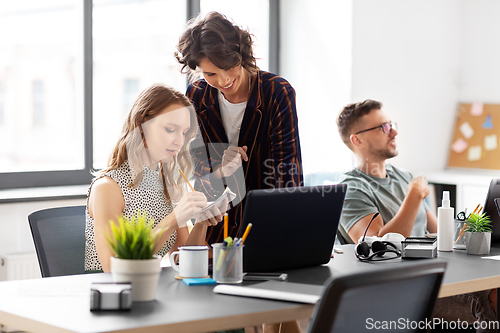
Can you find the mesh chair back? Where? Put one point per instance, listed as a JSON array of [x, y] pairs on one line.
[[59, 237], [398, 299]]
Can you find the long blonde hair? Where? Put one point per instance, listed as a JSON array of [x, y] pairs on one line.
[[150, 103]]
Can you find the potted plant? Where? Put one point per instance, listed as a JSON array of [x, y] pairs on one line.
[[478, 234], [133, 241]]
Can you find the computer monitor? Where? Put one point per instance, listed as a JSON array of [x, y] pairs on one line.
[[491, 209]]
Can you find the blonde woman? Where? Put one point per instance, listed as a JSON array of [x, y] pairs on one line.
[[143, 175]]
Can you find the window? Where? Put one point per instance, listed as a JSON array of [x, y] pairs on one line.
[[251, 14], [40, 63], [130, 93], [132, 39], [317, 60], [71, 69]]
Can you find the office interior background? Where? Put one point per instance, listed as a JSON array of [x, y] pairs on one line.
[[421, 58]]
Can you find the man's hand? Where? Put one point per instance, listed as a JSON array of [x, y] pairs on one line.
[[232, 159], [419, 185]]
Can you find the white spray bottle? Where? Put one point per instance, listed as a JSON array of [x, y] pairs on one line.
[[445, 218]]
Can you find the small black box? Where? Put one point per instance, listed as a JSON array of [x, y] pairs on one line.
[[110, 296], [419, 247]]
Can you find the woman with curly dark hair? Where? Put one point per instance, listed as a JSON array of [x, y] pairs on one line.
[[247, 116]]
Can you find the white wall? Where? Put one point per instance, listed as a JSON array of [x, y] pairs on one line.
[[315, 57], [480, 52], [15, 234], [407, 55], [422, 58]]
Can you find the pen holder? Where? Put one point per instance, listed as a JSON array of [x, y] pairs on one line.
[[458, 244], [227, 263]]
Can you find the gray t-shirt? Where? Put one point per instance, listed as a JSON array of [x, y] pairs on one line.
[[367, 195]]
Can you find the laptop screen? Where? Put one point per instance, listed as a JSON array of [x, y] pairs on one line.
[[492, 209], [291, 227]]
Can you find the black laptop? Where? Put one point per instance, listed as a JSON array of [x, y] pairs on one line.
[[492, 209], [291, 227]]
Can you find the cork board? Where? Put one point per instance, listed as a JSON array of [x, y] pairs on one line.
[[475, 143]]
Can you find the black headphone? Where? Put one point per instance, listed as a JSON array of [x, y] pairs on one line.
[[379, 248]]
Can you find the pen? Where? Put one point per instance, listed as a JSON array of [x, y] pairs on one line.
[[234, 249], [226, 217], [228, 242], [462, 231], [239, 244], [185, 178], [245, 235]]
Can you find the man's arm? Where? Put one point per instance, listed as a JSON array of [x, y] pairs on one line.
[[404, 220], [358, 229], [432, 225]]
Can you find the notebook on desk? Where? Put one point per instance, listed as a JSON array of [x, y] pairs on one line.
[[292, 292], [291, 227]]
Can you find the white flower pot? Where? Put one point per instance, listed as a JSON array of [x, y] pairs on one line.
[[478, 243], [142, 273]]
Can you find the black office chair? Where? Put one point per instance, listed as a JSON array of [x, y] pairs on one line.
[[343, 236], [59, 237], [362, 302]]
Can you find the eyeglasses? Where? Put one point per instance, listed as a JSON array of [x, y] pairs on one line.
[[386, 128]]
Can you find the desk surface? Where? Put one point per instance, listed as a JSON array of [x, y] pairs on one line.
[[61, 304]]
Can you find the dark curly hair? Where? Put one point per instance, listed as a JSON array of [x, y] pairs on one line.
[[350, 114], [215, 37]]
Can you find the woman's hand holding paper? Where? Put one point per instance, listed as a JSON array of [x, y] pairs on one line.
[[214, 215], [191, 204]]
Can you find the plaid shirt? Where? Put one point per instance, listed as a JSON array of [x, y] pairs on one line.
[[270, 131]]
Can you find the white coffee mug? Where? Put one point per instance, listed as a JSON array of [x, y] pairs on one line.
[[193, 261]]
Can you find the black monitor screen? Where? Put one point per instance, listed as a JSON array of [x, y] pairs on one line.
[[491, 209]]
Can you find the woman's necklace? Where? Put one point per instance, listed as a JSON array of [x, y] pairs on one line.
[[227, 113], [229, 118]]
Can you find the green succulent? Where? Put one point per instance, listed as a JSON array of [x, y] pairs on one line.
[[133, 238], [478, 223]]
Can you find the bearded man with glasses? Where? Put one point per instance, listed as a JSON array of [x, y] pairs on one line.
[[376, 186]]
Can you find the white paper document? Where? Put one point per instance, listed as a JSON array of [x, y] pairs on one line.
[[492, 257], [466, 130], [256, 290], [227, 194]]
